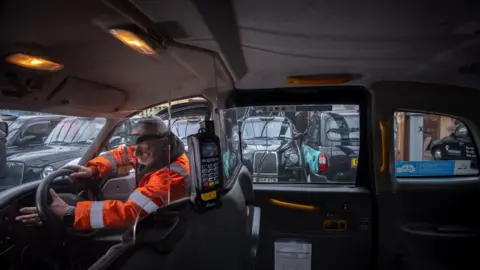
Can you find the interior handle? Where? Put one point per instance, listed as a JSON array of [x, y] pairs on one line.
[[296, 206], [453, 229], [439, 231]]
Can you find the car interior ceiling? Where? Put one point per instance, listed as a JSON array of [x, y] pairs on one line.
[[242, 57]]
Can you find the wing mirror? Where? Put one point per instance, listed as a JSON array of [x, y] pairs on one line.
[[3, 130]]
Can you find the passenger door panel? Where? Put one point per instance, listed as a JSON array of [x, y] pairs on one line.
[[425, 222], [429, 225], [348, 248], [119, 188]]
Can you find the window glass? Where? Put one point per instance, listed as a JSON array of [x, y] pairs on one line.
[[38, 130], [184, 127], [281, 144], [76, 130], [266, 127], [432, 145], [343, 127], [119, 136]]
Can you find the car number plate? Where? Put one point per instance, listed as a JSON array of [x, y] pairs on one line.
[[267, 180], [354, 162]]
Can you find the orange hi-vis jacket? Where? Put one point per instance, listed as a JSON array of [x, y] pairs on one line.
[[152, 191]]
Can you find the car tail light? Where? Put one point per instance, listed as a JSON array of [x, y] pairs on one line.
[[322, 162]]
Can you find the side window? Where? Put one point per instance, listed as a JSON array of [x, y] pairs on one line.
[[333, 129], [183, 127], [118, 136], [41, 128], [432, 145], [36, 132]]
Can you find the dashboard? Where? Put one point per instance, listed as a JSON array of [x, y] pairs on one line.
[[15, 237]]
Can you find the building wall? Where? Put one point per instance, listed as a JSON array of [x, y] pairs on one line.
[[415, 132]]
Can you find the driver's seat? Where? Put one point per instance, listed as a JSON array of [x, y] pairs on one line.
[[218, 239]]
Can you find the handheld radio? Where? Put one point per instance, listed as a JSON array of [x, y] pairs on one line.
[[206, 168]]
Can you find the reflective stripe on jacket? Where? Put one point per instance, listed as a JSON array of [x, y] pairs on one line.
[[154, 190], [108, 163]]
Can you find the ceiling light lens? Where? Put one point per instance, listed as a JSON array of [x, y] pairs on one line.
[[33, 62], [131, 40]]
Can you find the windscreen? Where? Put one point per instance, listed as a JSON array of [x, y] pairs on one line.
[[267, 127], [293, 143], [343, 127], [75, 131]]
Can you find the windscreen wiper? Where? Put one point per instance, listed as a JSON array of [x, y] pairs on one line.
[[58, 142]]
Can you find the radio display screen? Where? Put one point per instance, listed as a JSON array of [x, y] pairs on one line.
[[209, 149]]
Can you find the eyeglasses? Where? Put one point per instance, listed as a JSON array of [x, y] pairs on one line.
[[141, 150]]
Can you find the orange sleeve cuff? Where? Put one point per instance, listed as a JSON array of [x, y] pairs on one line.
[[82, 215], [94, 170]]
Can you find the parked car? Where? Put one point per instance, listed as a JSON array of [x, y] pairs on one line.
[[28, 131], [330, 147], [3, 154], [270, 149], [69, 140], [456, 146]]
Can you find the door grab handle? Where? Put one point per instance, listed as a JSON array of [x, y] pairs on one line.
[[296, 206], [383, 131], [453, 229], [440, 231]]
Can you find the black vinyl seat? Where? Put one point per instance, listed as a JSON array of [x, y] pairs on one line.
[[218, 239]]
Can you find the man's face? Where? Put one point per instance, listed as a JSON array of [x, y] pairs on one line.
[[144, 153], [142, 150]]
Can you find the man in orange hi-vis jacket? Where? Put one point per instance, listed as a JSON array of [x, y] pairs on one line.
[[163, 178]]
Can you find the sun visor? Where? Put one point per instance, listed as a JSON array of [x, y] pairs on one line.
[[75, 96]]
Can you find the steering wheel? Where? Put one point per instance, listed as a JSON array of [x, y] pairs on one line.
[[46, 214]]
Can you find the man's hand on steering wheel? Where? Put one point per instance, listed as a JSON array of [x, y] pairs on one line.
[[58, 206], [81, 173]]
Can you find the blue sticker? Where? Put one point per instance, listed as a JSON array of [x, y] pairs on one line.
[[424, 168]]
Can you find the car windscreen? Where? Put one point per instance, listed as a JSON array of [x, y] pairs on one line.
[[75, 131], [184, 129], [343, 127], [259, 128]]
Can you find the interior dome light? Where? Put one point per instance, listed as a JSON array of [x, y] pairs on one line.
[[33, 62], [132, 40]]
